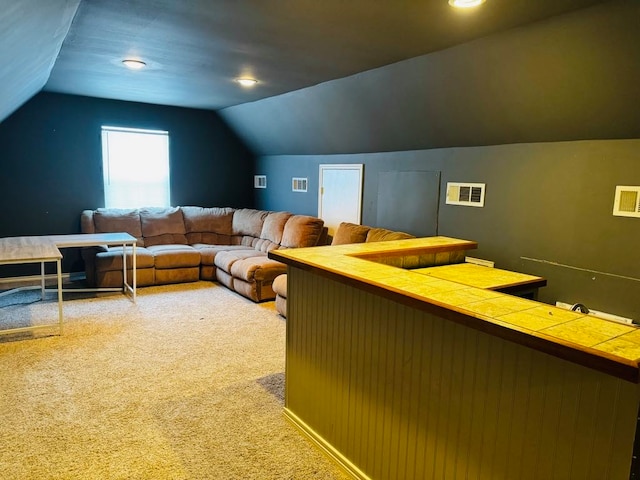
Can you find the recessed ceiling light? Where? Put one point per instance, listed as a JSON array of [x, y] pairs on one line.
[[465, 3], [246, 82], [134, 64]]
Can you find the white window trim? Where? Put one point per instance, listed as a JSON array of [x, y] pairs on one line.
[[160, 190]]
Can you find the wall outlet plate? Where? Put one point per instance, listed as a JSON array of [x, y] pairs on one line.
[[597, 314]]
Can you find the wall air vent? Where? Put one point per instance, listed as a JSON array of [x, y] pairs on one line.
[[480, 261], [259, 181], [627, 202], [469, 194], [299, 184]]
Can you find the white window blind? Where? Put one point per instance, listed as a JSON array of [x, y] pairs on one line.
[[136, 167]]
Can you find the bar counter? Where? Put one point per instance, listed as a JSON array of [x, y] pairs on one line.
[[399, 374]]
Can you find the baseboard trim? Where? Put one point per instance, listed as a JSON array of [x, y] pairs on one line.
[[343, 462]]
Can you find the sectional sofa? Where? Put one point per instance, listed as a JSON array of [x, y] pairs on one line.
[[186, 244]]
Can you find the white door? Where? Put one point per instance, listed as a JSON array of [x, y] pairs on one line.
[[340, 194]]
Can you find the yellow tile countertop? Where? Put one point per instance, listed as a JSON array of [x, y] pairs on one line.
[[596, 343], [482, 277]]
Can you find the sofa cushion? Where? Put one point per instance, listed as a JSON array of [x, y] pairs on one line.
[[224, 278], [112, 259], [255, 291], [176, 275], [208, 220], [208, 225], [161, 226], [249, 241], [257, 269], [174, 256], [273, 226], [264, 245], [225, 260], [113, 278], [208, 252], [350, 233], [208, 238], [301, 231], [382, 235], [108, 220], [249, 222], [208, 272]]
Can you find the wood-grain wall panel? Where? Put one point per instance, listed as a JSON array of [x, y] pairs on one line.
[[401, 393]]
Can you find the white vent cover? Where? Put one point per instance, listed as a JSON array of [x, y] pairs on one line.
[[480, 261], [469, 194], [259, 181], [627, 201], [299, 184]]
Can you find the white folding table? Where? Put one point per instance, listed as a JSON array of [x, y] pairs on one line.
[[46, 248], [19, 250], [108, 239]]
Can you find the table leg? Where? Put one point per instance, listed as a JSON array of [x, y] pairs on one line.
[[42, 283], [60, 317], [134, 273], [124, 268]]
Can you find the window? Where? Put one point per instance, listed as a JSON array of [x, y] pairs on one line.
[[136, 167]]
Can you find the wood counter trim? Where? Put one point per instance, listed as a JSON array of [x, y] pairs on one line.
[[397, 252], [609, 364], [517, 286]]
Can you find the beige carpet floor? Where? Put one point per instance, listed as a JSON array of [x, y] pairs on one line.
[[186, 384]]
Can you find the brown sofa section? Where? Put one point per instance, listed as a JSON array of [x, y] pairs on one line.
[[185, 244], [345, 233], [352, 233]]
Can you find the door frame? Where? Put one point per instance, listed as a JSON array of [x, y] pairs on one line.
[[359, 167]]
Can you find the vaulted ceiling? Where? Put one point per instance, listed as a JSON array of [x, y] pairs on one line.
[[195, 49]]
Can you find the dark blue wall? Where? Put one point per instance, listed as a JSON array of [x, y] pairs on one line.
[[51, 160], [548, 209]]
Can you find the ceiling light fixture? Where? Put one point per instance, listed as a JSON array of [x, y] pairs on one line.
[[246, 82], [465, 3], [134, 64]]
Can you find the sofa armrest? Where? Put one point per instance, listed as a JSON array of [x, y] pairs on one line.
[[280, 285], [86, 222], [257, 269]]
